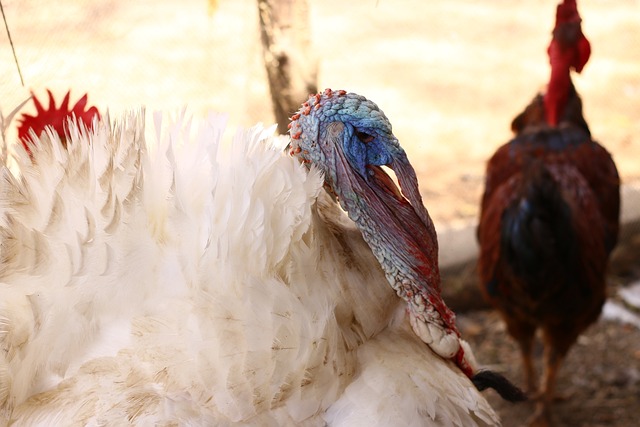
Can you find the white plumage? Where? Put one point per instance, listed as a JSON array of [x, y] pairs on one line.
[[187, 281]]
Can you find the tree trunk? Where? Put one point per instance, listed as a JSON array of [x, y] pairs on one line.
[[291, 67]]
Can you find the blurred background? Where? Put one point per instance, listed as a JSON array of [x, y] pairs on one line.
[[450, 75]]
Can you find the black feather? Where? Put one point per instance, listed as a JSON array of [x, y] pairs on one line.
[[537, 229], [506, 389]]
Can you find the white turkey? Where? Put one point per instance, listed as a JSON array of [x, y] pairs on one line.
[[187, 281]]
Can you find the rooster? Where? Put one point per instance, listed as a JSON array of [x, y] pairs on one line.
[[549, 218], [190, 282]]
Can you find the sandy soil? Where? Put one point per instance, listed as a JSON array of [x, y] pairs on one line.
[[450, 75], [598, 385]]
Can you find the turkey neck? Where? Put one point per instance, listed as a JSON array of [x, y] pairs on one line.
[[397, 227], [350, 139]]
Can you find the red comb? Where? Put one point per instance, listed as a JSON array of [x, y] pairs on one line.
[[55, 117], [567, 12], [569, 49], [570, 44]]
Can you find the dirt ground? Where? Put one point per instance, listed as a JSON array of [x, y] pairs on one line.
[[599, 383], [450, 75]]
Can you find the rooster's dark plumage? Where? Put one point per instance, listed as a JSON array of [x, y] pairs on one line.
[[549, 216]]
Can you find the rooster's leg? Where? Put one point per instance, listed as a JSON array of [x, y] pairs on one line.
[[524, 333], [557, 341], [526, 348], [552, 361]]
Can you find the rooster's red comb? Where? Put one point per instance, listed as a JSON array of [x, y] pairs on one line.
[[567, 35], [567, 11], [55, 117], [569, 49]]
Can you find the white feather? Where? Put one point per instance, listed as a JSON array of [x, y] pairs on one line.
[[198, 282]]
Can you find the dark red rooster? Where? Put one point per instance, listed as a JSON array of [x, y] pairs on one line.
[[549, 217]]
